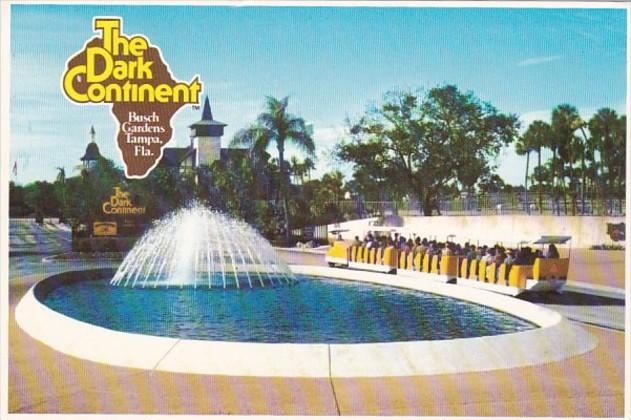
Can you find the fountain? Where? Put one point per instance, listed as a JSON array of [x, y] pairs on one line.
[[199, 247]]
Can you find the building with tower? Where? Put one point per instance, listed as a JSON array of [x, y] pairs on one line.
[[204, 148], [92, 154]]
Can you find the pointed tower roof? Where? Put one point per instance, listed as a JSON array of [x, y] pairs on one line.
[[207, 114], [92, 151], [207, 126]]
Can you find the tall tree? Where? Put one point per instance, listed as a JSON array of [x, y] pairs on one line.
[[276, 125], [535, 138], [309, 166], [424, 144], [62, 191], [523, 146], [608, 133], [565, 121]]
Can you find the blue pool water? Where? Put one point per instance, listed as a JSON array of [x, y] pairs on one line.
[[314, 310]]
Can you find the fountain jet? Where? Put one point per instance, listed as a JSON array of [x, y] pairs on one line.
[[199, 247]]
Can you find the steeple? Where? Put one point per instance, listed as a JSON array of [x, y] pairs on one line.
[[207, 126], [206, 137], [92, 153], [207, 114]]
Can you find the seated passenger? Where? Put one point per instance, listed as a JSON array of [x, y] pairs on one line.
[[424, 246], [498, 260], [416, 248], [529, 256], [471, 254], [521, 258], [510, 257], [357, 242], [481, 253], [552, 252], [370, 242]]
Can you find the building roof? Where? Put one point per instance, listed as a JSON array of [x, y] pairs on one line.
[[91, 152], [207, 117], [172, 157]]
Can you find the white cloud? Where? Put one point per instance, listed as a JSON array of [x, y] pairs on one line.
[[538, 60], [328, 135], [529, 117]]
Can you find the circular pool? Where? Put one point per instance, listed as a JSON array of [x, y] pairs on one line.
[[314, 310], [332, 323]]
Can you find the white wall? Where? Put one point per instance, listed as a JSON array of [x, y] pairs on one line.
[[208, 150], [584, 230]]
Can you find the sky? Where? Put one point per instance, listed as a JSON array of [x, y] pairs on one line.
[[332, 62]]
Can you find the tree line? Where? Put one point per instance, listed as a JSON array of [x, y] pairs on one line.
[[444, 142], [588, 157], [427, 145]]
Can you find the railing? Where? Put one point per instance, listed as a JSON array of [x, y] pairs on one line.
[[477, 205], [311, 232]]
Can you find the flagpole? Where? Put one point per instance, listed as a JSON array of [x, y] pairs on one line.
[[15, 171]]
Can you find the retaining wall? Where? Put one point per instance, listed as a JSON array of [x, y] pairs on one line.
[[584, 230]]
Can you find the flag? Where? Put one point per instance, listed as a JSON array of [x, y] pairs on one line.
[[15, 168]]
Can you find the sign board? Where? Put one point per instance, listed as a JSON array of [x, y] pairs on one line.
[[616, 231], [120, 204], [307, 232], [105, 229]]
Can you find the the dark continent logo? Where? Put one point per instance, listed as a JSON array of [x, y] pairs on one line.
[[130, 74]]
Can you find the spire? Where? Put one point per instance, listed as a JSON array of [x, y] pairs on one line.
[[207, 114], [92, 134], [207, 126]]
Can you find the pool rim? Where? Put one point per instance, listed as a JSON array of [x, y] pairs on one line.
[[555, 339]]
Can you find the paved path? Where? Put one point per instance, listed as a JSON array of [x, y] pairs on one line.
[[29, 238], [587, 308], [42, 380]]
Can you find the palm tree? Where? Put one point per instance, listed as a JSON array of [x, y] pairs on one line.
[[295, 168], [60, 182], [608, 137], [536, 136], [523, 147], [565, 121], [586, 152], [539, 134], [309, 166], [276, 125]]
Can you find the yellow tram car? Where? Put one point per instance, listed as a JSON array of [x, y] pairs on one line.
[[545, 275]]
